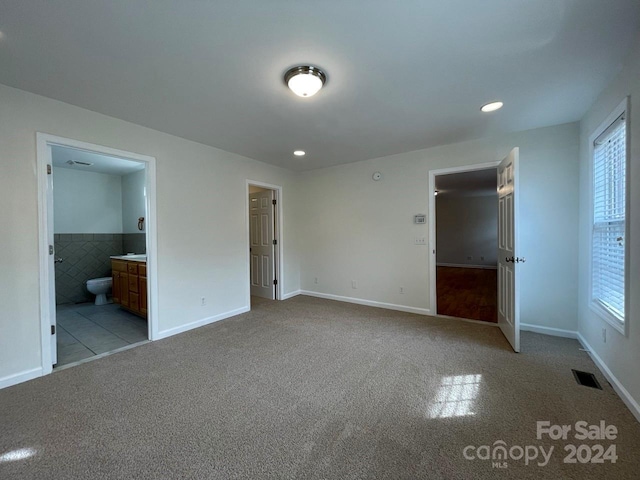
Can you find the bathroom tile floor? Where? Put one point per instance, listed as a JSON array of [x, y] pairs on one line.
[[85, 330]]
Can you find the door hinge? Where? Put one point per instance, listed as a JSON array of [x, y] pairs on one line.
[[275, 242], [48, 169], [273, 201], [50, 249], [53, 329], [275, 282]]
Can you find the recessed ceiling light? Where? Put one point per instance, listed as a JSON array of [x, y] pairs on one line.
[[305, 80], [491, 107], [299, 153]]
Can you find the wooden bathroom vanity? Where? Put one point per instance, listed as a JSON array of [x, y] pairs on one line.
[[129, 274]]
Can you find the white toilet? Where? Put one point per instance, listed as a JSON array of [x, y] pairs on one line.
[[100, 287]]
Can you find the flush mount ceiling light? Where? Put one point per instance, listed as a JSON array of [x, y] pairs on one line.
[[305, 80], [491, 107], [299, 153]]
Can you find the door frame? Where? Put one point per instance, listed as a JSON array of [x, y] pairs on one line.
[[47, 301], [433, 307], [278, 264]]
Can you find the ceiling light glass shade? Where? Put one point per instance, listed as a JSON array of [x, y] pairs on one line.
[[491, 107], [299, 153], [305, 80]]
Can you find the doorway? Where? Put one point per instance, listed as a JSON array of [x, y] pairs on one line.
[[99, 217], [264, 239], [508, 262], [466, 218]]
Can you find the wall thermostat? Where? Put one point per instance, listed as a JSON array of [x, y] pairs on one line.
[[376, 176], [420, 218]]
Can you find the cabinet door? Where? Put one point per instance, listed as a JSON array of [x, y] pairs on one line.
[[143, 295], [133, 283], [115, 286], [134, 301], [124, 289]]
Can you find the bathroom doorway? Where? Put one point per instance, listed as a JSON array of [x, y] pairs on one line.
[[97, 246], [264, 239]]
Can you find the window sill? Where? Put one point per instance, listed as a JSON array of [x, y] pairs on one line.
[[608, 317]]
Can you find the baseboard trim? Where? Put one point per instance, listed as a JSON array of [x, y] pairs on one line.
[[467, 320], [200, 323], [286, 296], [464, 265], [622, 392], [555, 332], [369, 303], [20, 377]]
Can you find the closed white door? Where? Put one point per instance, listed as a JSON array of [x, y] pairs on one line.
[[508, 262], [262, 244]]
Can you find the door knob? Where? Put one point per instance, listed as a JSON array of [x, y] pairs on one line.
[[507, 259], [520, 260], [58, 260]]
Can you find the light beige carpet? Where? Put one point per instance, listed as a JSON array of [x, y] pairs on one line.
[[312, 389]]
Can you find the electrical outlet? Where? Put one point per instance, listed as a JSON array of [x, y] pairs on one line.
[[469, 257], [401, 289], [482, 257], [604, 335], [354, 284], [315, 280], [203, 301]]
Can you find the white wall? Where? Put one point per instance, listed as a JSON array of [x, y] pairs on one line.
[[467, 226], [202, 219], [133, 201], [86, 202], [621, 354], [352, 228]]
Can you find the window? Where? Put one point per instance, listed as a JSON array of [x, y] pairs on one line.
[[608, 236]]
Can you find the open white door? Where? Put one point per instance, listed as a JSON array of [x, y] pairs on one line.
[[508, 263], [262, 244], [51, 263]]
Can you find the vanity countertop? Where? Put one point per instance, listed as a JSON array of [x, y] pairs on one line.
[[130, 258]]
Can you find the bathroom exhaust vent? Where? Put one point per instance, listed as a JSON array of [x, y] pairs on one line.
[[587, 379], [76, 162]]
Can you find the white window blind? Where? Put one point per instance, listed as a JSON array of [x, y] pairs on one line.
[[609, 219]]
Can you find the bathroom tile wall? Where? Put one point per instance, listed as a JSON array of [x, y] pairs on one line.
[[134, 243], [85, 256]]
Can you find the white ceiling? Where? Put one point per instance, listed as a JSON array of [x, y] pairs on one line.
[[401, 75], [100, 163], [468, 184]]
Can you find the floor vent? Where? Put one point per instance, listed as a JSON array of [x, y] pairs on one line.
[[587, 379]]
